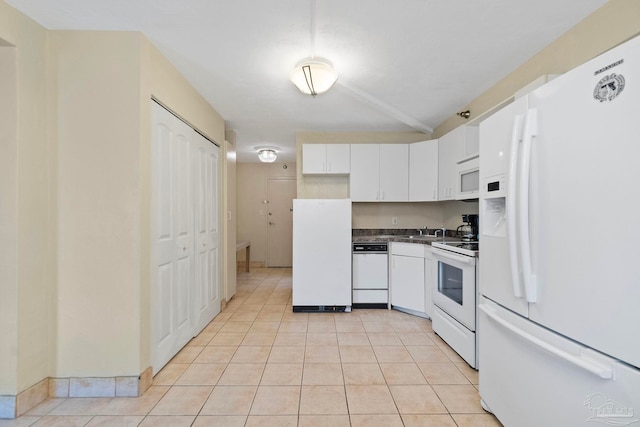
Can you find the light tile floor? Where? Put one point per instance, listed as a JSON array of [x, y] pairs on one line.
[[259, 364]]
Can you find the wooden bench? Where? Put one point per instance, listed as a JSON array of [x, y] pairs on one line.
[[242, 244]]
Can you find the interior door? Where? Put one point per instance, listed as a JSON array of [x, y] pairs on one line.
[[206, 286], [172, 231], [280, 194]]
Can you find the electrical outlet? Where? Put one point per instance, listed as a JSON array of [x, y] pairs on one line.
[[394, 220]]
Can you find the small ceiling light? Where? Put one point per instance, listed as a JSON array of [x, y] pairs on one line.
[[267, 154], [314, 76], [464, 114]]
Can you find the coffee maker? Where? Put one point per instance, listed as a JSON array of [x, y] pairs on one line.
[[469, 230]]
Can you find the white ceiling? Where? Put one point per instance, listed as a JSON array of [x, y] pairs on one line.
[[403, 64]]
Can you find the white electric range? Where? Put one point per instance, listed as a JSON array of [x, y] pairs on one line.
[[455, 296]]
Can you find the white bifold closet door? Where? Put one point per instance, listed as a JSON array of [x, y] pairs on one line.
[[207, 232], [185, 284]]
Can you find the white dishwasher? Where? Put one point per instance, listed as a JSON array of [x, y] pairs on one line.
[[370, 277]]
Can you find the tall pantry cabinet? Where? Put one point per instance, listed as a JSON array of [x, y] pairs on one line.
[[186, 254]]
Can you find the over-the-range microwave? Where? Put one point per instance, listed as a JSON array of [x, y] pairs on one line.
[[468, 178]]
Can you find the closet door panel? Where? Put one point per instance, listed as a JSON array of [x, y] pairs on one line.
[[207, 285], [172, 231]]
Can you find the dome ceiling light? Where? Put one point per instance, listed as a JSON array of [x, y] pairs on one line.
[[314, 76], [267, 154]]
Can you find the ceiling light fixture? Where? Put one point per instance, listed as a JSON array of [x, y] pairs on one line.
[[464, 114], [267, 154], [314, 76]]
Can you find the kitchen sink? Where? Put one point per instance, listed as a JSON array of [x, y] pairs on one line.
[[418, 237]]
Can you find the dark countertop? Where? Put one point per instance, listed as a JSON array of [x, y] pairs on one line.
[[410, 235]]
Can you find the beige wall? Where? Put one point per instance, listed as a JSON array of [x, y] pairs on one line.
[[8, 221], [412, 215], [105, 82], [97, 82], [252, 212], [75, 179], [615, 22], [26, 260]]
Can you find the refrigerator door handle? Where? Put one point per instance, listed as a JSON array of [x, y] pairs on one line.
[[591, 366], [512, 222], [530, 131]]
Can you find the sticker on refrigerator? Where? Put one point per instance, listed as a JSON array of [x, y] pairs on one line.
[[609, 87]]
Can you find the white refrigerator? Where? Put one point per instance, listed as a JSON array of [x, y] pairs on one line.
[[321, 255], [559, 322]]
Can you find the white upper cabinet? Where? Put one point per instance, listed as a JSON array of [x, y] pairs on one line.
[[449, 150], [394, 172], [364, 181], [458, 147], [379, 173], [423, 171], [325, 158]]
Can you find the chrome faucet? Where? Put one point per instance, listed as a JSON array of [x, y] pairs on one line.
[[423, 231], [443, 230]]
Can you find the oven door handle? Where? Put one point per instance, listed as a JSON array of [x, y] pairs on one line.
[[448, 255]]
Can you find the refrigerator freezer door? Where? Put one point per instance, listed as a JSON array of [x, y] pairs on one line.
[[584, 185], [500, 277], [532, 377], [321, 252]]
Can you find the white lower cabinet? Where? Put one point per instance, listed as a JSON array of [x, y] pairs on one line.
[[408, 277]]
